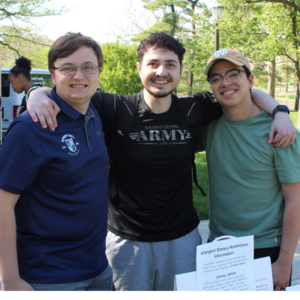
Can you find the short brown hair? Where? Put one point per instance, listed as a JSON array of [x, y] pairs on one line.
[[69, 43]]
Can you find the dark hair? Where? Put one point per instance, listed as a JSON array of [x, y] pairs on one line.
[[69, 43], [23, 66], [161, 40]]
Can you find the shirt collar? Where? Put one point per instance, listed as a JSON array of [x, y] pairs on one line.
[[68, 109]]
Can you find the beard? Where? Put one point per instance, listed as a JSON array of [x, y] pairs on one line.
[[159, 94]]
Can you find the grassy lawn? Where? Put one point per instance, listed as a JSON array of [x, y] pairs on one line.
[[201, 202]]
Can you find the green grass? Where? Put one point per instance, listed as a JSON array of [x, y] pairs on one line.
[[201, 203], [294, 116]]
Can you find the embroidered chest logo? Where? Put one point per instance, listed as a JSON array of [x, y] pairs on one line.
[[70, 144]]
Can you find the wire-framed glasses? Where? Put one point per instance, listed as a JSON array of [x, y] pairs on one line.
[[232, 76], [70, 69]]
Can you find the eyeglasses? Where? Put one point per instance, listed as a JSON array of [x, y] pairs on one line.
[[232, 76], [70, 69]]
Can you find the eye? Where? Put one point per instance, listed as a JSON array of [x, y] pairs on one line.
[[89, 67], [171, 65], [67, 68], [152, 64], [233, 74], [215, 79]]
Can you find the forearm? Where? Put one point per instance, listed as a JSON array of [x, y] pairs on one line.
[[291, 231], [263, 100], [9, 271]]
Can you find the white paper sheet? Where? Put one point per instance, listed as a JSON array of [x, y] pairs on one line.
[[185, 282], [226, 265], [263, 274]]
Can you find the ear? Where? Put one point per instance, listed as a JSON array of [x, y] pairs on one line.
[[52, 72], [181, 69], [251, 81], [20, 77], [138, 65]]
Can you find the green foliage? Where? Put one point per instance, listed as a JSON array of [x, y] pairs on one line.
[[40, 58], [15, 16], [120, 73]]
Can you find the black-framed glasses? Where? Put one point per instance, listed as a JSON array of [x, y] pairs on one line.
[[231, 76], [70, 69]]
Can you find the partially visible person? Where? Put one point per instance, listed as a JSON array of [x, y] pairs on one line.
[[21, 81], [254, 188], [54, 185], [152, 222]]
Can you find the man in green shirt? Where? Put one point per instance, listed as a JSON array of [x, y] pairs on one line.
[[254, 187]]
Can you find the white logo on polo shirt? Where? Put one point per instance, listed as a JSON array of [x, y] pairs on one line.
[[71, 145], [221, 52]]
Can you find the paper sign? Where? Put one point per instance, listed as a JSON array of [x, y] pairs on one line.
[[263, 274], [185, 282], [293, 288], [226, 265]]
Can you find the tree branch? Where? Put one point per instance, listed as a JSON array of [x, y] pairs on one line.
[[285, 2], [294, 61]]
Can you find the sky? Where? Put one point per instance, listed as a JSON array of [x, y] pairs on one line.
[[103, 20]]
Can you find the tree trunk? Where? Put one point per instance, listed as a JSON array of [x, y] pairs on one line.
[[271, 79], [297, 97], [191, 75]]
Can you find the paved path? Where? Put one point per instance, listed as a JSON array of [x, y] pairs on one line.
[[203, 229]]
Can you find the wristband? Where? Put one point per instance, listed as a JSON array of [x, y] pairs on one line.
[[280, 108]]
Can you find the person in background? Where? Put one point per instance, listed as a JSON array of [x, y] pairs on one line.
[[21, 81]]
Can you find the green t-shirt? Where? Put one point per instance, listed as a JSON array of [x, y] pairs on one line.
[[245, 173]]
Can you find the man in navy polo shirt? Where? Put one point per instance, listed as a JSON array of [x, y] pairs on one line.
[[54, 185]]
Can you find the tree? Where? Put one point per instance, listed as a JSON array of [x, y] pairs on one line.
[[279, 19], [40, 58], [15, 18], [120, 73]]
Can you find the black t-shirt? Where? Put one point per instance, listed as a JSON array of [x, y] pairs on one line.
[[22, 106], [150, 183]]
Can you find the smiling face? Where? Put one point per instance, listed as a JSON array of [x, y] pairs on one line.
[[78, 88], [231, 94], [160, 72]]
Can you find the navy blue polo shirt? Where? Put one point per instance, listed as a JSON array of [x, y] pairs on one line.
[[62, 177]]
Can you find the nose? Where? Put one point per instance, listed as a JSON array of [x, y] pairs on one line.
[[225, 81], [78, 73], [161, 70]]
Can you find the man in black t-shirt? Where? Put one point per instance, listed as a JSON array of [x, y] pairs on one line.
[[151, 219]]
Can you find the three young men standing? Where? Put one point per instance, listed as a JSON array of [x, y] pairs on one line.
[[152, 223]]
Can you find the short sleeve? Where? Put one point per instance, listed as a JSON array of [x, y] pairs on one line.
[[287, 162], [109, 108], [209, 108], [21, 159]]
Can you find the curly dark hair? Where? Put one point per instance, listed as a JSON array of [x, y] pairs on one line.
[[161, 40], [23, 66]]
